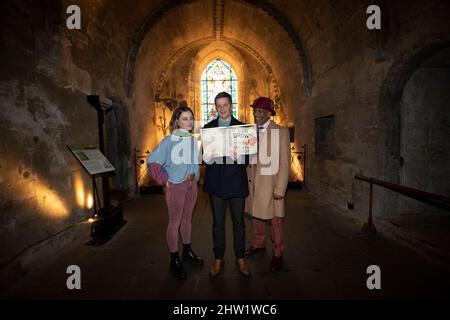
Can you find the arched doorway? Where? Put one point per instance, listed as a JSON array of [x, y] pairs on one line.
[[425, 131], [390, 149]]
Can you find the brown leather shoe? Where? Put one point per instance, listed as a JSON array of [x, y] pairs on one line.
[[244, 267], [216, 267], [276, 264], [253, 250]]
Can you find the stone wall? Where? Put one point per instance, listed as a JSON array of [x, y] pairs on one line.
[[47, 71], [348, 78]]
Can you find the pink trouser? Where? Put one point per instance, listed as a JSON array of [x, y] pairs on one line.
[[259, 234], [180, 199]]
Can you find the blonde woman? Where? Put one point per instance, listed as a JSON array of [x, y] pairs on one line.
[[179, 171]]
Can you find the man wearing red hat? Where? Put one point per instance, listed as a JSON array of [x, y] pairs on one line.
[[268, 179]]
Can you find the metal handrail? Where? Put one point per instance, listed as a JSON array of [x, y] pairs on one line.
[[436, 200]]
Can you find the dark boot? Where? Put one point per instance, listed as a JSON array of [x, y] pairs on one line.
[[189, 255], [276, 264], [176, 267]]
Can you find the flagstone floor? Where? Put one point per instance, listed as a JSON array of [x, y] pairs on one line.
[[326, 258]]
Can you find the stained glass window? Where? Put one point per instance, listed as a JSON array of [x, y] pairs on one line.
[[218, 76]]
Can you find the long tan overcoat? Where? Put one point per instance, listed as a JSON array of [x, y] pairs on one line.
[[270, 175]]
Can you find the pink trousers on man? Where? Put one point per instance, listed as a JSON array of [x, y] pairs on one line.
[[180, 199], [259, 234]]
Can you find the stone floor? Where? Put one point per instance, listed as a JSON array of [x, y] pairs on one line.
[[326, 258]]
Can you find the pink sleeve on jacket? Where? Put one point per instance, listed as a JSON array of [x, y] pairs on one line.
[[158, 173]]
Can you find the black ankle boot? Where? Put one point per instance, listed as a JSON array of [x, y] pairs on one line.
[[189, 255], [176, 267]]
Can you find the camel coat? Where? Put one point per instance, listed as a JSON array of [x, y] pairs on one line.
[[263, 182]]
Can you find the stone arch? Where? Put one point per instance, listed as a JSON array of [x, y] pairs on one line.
[[204, 42], [389, 116], [162, 74], [218, 50], [271, 10], [227, 50]]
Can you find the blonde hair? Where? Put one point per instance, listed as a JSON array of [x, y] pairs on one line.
[[176, 115]]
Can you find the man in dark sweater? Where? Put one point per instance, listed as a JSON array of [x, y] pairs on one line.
[[226, 182]]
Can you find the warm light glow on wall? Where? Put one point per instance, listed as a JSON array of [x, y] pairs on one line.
[[79, 190], [34, 194], [296, 170], [49, 202], [89, 201], [83, 196]]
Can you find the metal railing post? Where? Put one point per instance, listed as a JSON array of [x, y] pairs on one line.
[[369, 227]]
